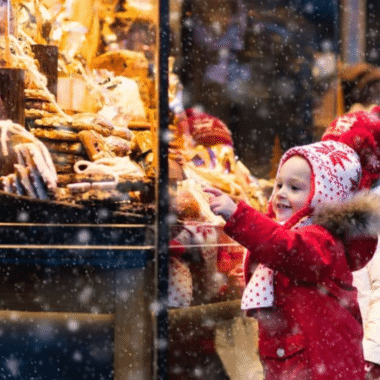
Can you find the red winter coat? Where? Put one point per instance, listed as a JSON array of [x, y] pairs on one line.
[[314, 330]]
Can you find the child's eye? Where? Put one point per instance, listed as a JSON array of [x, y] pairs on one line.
[[295, 188], [279, 185]]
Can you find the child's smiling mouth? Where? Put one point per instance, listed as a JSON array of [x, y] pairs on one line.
[[281, 206]]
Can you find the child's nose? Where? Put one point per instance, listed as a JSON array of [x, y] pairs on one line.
[[281, 192]]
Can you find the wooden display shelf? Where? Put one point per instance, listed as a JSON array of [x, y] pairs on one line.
[[16, 316], [20, 209]]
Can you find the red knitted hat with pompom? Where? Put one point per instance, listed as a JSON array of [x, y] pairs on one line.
[[205, 129], [361, 131]]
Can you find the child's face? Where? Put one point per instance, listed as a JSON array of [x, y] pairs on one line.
[[292, 188]]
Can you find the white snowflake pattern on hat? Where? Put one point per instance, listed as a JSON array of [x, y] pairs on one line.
[[342, 124]]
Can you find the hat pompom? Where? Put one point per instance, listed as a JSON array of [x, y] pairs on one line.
[[360, 131]]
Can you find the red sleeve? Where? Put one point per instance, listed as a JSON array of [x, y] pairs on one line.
[[305, 254], [361, 252]]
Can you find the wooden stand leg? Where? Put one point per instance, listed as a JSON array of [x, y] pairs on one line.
[[47, 57], [12, 95]]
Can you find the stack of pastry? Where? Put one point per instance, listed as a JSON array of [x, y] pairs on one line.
[[38, 105]]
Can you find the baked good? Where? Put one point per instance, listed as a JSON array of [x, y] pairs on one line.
[[123, 62], [55, 134], [95, 145], [67, 147], [186, 206]]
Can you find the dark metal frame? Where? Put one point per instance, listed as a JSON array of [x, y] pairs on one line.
[[161, 342]]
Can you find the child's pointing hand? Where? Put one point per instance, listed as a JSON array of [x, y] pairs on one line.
[[220, 203]]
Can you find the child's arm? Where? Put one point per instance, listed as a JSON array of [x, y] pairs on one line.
[[220, 203], [307, 254]]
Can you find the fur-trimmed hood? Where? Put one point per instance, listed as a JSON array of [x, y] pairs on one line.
[[356, 218]]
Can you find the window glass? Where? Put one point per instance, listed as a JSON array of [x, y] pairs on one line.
[[251, 80]]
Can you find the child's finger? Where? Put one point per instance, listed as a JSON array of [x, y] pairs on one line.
[[213, 191], [216, 207]]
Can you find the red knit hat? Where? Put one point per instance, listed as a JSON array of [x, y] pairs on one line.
[[205, 129], [361, 131], [335, 176]]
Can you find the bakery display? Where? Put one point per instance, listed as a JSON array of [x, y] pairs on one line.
[[93, 142]]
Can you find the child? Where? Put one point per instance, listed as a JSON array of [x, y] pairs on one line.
[[301, 292]]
